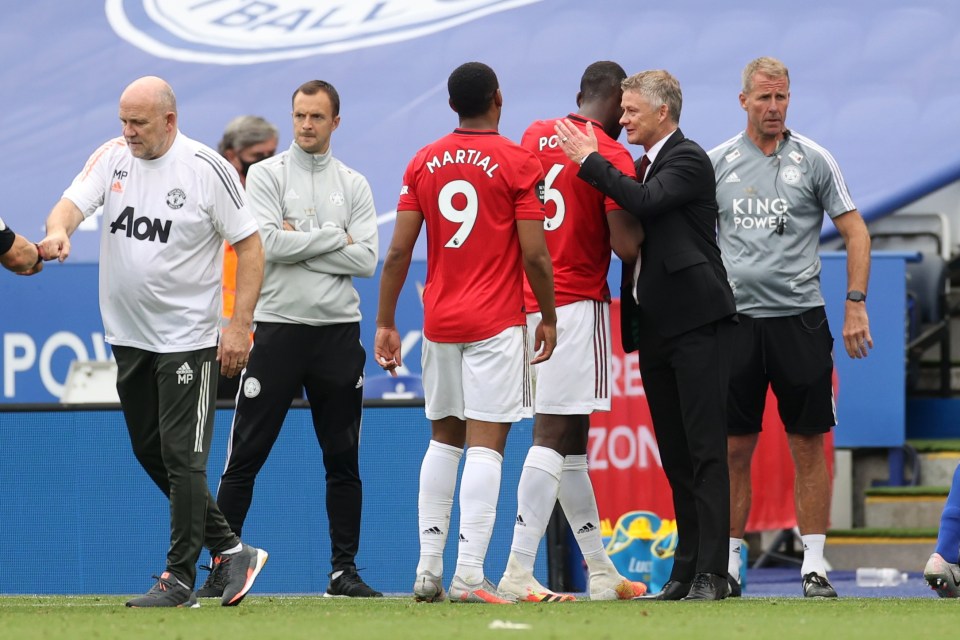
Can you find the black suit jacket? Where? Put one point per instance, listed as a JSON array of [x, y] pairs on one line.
[[682, 283]]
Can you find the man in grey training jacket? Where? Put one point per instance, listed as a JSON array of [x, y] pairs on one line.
[[319, 230]]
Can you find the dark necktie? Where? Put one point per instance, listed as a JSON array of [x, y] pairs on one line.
[[642, 171]]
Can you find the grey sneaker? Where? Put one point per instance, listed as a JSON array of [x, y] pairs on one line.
[[168, 592], [240, 570], [213, 587], [349, 584], [943, 577], [428, 588], [483, 591], [817, 586]]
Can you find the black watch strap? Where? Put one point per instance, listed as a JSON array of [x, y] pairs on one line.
[[856, 296]]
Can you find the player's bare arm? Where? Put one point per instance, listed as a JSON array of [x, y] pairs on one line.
[[386, 343], [626, 235], [856, 325], [63, 220], [23, 258], [539, 270]]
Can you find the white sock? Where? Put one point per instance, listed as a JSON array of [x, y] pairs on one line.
[[438, 481], [813, 554], [735, 560], [536, 497], [236, 549], [479, 492], [580, 508]]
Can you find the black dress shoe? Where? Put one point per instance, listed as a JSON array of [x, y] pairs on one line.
[[673, 590], [709, 586]]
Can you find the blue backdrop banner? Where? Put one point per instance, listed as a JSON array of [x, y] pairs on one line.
[[73, 492]]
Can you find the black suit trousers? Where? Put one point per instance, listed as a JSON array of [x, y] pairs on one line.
[[686, 380]]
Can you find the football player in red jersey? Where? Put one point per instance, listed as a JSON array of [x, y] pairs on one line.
[[581, 225], [477, 193]]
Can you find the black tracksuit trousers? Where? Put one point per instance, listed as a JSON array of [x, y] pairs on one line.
[[327, 362], [168, 403]]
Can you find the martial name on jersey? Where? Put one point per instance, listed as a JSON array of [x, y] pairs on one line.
[[463, 156]]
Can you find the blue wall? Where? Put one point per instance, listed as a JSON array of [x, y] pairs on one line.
[[80, 516], [871, 399]]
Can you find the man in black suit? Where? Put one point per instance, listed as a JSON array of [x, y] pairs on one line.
[[677, 309]]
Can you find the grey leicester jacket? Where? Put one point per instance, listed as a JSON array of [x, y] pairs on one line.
[[308, 276]]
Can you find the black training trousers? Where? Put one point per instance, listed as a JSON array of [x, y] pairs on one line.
[[168, 404], [327, 362]]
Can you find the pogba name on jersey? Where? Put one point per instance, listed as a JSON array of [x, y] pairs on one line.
[[463, 156]]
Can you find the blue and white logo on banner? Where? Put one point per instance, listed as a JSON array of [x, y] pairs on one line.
[[251, 31]]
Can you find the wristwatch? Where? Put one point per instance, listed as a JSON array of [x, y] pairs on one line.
[[856, 296]]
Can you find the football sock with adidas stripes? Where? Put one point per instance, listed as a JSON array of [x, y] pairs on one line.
[[536, 496], [735, 560], [479, 491], [813, 544], [438, 481], [580, 508]]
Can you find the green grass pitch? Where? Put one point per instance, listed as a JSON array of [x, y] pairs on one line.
[[289, 617]]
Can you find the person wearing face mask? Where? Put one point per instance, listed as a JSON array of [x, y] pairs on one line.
[[246, 141]]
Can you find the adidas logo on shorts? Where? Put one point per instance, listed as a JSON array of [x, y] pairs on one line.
[[184, 374]]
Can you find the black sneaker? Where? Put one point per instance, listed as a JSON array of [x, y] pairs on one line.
[[349, 585], [735, 590], [213, 587], [168, 592], [239, 571], [817, 586]]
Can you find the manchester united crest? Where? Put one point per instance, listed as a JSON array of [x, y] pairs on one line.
[[176, 198]]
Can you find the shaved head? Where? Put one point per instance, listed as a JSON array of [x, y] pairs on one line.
[[148, 112], [151, 89]]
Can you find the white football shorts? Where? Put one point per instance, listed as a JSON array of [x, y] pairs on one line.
[[487, 380], [576, 378]]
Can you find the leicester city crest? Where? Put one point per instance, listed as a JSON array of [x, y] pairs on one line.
[[790, 174]]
